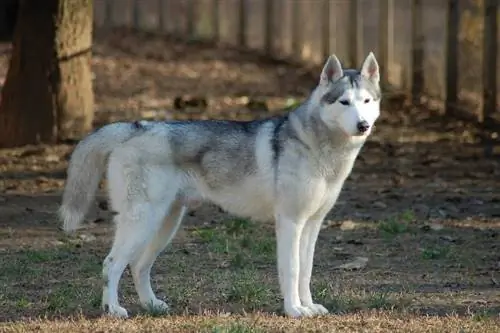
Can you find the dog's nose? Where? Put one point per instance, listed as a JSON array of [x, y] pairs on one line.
[[363, 126]]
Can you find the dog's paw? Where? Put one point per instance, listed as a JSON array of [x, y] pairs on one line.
[[317, 309], [156, 306], [297, 311], [115, 311]]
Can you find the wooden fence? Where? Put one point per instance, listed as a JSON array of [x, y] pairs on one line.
[[441, 52]]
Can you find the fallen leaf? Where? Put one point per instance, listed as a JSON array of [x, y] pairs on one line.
[[347, 225], [447, 238], [87, 237], [358, 263], [436, 226], [379, 204], [328, 224], [51, 158]]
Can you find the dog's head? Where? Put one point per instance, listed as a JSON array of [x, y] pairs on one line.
[[349, 99]]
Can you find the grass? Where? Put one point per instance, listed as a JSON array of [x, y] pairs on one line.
[[372, 321], [240, 240], [396, 225], [236, 328], [351, 300], [435, 252], [246, 290], [223, 278]]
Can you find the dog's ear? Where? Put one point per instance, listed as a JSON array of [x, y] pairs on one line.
[[332, 71], [370, 68]]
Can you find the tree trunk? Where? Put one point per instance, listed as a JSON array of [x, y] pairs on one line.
[[48, 90]]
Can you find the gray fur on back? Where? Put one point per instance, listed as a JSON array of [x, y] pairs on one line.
[[215, 149]]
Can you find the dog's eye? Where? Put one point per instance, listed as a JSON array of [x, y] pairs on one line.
[[344, 102], [367, 100]]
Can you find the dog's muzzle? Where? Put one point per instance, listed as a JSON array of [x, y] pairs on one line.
[[363, 126]]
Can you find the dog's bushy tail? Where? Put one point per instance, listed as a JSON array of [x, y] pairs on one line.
[[86, 168]]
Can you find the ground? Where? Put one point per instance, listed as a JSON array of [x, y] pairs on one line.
[[411, 246]]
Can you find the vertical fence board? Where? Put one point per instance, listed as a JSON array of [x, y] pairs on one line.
[[340, 17], [161, 15], [311, 41], [242, 23], [417, 63], [108, 13], [286, 28], [296, 30], [355, 33], [452, 55], [255, 28], [269, 27], [386, 37], [229, 21], [216, 20], [101, 13], [190, 18], [171, 17], [136, 14], [490, 50], [279, 21], [325, 29]]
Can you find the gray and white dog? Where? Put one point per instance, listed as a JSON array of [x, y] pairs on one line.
[[289, 169]]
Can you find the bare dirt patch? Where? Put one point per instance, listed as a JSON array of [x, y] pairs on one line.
[[421, 213]]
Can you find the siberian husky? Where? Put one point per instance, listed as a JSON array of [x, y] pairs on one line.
[[289, 169]]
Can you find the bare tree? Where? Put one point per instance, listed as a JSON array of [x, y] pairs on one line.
[[48, 92]]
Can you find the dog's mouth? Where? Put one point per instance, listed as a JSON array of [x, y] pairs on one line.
[[357, 135]]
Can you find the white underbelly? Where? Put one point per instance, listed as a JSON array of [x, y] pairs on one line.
[[252, 198]]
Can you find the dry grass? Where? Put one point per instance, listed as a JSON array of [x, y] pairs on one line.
[[369, 321]]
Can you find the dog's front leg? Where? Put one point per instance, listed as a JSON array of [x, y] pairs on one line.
[[288, 233], [307, 246]]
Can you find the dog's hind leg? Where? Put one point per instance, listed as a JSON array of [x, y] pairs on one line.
[[141, 209], [141, 266], [129, 237]]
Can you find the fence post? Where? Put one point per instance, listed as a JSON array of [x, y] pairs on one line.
[[417, 54], [386, 38], [269, 27], [216, 20], [451, 57], [242, 27], [325, 29], [355, 32], [490, 51]]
